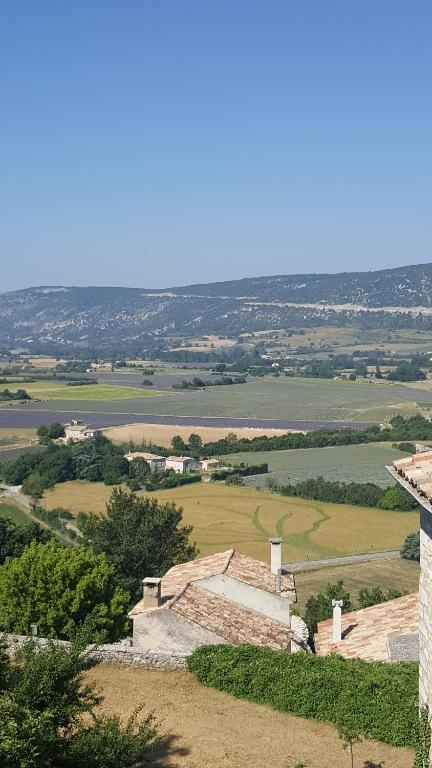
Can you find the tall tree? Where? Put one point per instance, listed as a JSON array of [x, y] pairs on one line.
[[60, 589], [139, 537]]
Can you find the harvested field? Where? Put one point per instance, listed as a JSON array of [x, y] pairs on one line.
[[162, 434], [205, 727], [225, 516], [392, 573]]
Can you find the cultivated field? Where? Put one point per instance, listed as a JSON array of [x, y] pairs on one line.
[[206, 727], [51, 390], [224, 516], [357, 463], [391, 573], [284, 398], [162, 434]]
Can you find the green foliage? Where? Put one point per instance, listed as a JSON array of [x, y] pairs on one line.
[[358, 494], [59, 589], [234, 479], [375, 595], [20, 394], [43, 699], [170, 479], [379, 700], [139, 537], [240, 471], [410, 549], [50, 431], [397, 499], [423, 740], [319, 607], [14, 537], [406, 371]]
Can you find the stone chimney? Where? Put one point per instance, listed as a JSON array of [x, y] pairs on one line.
[[275, 555], [337, 621], [151, 592]]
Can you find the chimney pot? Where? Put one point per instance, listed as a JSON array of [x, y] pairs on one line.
[[337, 621], [275, 555], [151, 592]]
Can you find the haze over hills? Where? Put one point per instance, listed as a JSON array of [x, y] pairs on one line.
[[56, 316]]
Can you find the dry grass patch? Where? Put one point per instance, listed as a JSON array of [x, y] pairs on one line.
[[224, 516], [210, 728], [392, 573], [162, 434]]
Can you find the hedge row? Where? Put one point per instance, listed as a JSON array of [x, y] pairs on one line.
[[380, 699]]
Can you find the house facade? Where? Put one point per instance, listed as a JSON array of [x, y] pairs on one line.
[[76, 431], [155, 462], [181, 464]]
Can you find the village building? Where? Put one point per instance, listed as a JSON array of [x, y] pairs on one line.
[[210, 465], [155, 462], [181, 464], [227, 597], [415, 475], [385, 632], [77, 431]]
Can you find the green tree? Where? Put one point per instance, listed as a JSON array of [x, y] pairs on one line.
[[178, 445], [410, 549], [139, 470], [376, 595], [34, 486], [398, 499], [194, 444], [319, 607], [14, 537], [43, 699], [139, 537], [59, 588]]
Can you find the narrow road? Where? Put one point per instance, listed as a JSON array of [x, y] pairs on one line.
[[309, 565]]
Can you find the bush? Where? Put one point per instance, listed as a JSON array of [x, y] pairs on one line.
[[410, 549], [381, 699]]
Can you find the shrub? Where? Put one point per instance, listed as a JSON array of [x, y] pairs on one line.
[[380, 699], [410, 549]]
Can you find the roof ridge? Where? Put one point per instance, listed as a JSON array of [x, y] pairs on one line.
[[228, 559]]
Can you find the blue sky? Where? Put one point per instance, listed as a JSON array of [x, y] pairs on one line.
[[158, 143]]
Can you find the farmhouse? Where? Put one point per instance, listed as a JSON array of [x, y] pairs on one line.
[[210, 465], [181, 464], [223, 598], [384, 632], [155, 462], [77, 431]]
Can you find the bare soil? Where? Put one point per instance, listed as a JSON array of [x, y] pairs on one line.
[[205, 727]]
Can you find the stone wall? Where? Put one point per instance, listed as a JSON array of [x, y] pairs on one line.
[[115, 653], [425, 609]]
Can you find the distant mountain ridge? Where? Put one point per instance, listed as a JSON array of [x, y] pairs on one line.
[[61, 315]]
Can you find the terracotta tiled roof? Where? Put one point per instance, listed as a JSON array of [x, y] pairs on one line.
[[180, 575], [231, 621], [365, 633], [234, 564]]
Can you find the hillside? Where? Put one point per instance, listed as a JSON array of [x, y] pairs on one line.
[[63, 316]]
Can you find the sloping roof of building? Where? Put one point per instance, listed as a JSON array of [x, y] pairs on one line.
[[415, 474], [231, 621], [241, 567], [366, 633]]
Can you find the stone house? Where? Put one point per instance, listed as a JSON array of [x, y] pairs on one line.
[[415, 475], [76, 431], [210, 465], [227, 597], [155, 462], [181, 464]]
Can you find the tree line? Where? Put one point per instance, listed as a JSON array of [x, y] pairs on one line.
[[393, 497]]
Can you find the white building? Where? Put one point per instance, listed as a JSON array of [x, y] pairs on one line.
[[77, 431], [181, 464], [210, 465], [155, 462]]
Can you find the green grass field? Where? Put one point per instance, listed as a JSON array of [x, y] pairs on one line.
[[51, 390], [357, 463], [14, 512], [224, 516]]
